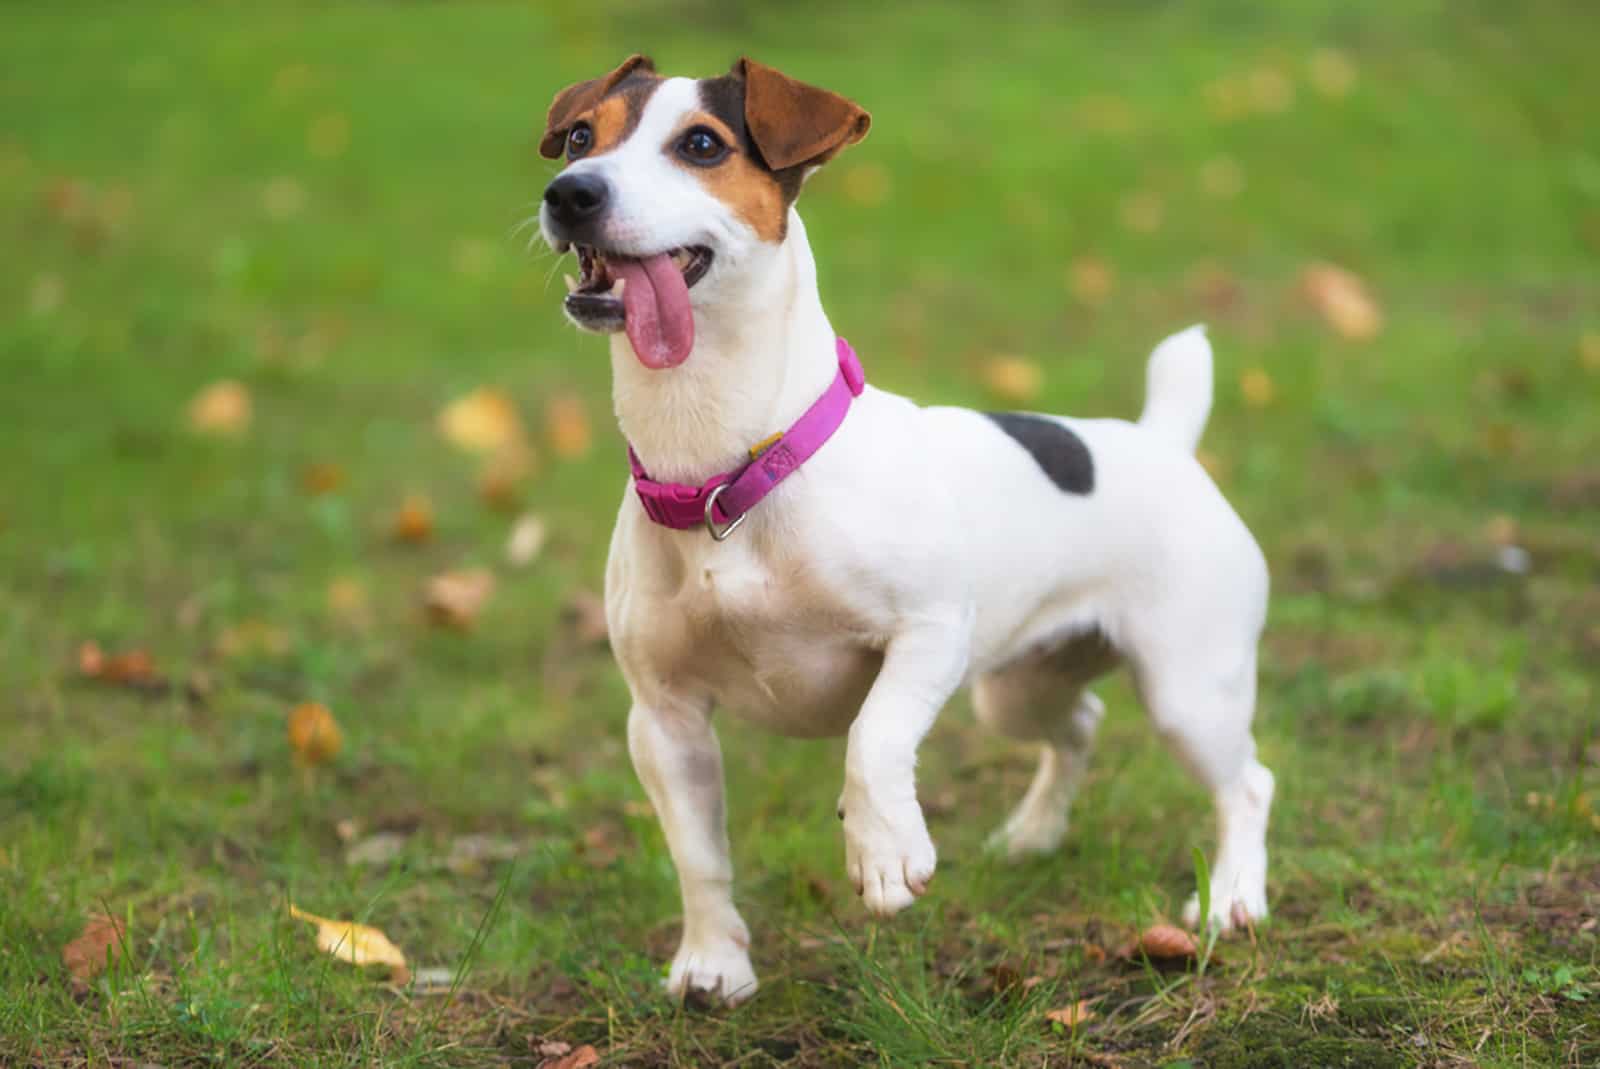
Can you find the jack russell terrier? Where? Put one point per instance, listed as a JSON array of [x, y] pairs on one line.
[[823, 557]]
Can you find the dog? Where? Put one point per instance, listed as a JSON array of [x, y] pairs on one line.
[[825, 558]]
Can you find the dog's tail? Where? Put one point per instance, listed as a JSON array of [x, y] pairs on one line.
[[1178, 388]]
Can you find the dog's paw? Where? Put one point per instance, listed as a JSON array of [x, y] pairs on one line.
[[1236, 904], [888, 854], [719, 969]]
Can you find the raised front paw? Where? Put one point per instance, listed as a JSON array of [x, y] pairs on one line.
[[719, 968], [888, 853]]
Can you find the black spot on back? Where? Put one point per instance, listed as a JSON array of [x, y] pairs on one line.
[[1059, 452]]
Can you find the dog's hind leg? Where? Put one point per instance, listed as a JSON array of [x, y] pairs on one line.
[[1202, 702], [680, 764], [1042, 700]]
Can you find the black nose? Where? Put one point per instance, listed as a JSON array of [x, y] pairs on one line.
[[574, 199]]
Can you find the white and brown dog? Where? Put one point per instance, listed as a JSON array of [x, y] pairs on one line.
[[826, 558]]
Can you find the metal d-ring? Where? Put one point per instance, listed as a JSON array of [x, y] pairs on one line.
[[711, 523]]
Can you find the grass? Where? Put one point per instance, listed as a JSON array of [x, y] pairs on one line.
[[318, 201]]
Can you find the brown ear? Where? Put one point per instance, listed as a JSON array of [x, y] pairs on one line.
[[574, 100], [793, 123]]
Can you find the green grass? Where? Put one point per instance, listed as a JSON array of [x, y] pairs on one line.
[[1413, 695]]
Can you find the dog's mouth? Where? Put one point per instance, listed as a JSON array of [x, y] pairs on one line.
[[646, 296]]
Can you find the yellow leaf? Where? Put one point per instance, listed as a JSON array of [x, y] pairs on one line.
[[1589, 350], [1070, 1017], [484, 421], [314, 735], [567, 424], [223, 408], [1012, 378], [454, 599], [1257, 387], [1332, 72], [504, 472], [414, 522], [359, 944], [1091, 279], [1343, 301], [347, 602]]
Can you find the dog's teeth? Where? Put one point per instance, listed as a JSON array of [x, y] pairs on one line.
[[572, 283], [616, 287]]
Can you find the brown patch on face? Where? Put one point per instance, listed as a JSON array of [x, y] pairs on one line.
[[631, 83], [743, 183]]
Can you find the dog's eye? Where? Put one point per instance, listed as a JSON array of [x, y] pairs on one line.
[[579, 140], [702, 146]]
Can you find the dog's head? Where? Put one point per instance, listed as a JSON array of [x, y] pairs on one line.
[[676, 191]]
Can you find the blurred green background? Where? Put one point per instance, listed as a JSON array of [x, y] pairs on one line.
[[1388, 214]]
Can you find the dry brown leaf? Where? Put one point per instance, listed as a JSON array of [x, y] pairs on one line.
[[1091, 280], [135, 668], [1256, 387], [484, 421], [1343, 301], [1070, 1017], [1164, 942], [321, 478], [553, 1048], [567, 426], [414, 522], [454, 599], [100, 941], [504, 473], [585, 617], [314, 735], [579, 1058], [526, 540], [1012, 379], [223, 409], [359, 944]]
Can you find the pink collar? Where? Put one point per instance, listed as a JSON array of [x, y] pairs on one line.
[[721, 502]]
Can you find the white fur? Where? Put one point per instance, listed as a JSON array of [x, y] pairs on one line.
[[919, 550]]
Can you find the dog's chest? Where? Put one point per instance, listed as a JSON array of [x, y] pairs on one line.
[[769, 642]]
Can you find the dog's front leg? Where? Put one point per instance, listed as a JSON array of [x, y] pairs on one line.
[[680, 764], [888, 853]]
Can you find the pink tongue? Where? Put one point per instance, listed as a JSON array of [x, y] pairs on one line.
[[655, 303]]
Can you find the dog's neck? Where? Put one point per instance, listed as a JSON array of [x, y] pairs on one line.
[[760, 359]]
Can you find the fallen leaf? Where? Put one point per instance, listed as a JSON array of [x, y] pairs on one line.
[[321, 478], [1343, 301], [1094, 952], [100, 942], [585, 617], [347, 828], [1332, 72], [1091, 280], [379, 849], [553, 1048], [526, 540], [504, 473], [328, 136], [347, 602], [253, 638], [567, 426], [484, 421], [1257, 388], [1221, 177], [454, 599], [1070, 1017], [1164, 942], [135, 668], [359, 944], [1012, 379], [222, 409], [283, 198], [1142, 213], [580, 1058], [1589, 350], [414, 522], [314, 735]]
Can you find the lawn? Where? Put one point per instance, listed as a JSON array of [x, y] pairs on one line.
[[320, 204]]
